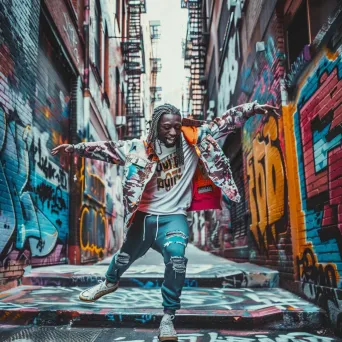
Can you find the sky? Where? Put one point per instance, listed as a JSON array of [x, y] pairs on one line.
[[173, 21]]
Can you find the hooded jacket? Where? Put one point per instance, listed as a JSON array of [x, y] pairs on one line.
[[213, 175]]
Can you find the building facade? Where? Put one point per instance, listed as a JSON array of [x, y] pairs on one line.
[[286, 53], [64, 78]]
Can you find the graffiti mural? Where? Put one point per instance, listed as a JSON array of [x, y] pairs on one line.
[[133, 298], [267, 186], [230, 73], [264, 162], [257, 79], [99, 233], [318, 134], [34, 186], [318, 140]]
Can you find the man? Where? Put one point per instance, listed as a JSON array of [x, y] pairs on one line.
[[178, 168]]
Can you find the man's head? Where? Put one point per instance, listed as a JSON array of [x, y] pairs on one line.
[[166, 126]]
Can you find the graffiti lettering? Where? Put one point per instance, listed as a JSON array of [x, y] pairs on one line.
[[267, 185], [71, 34]]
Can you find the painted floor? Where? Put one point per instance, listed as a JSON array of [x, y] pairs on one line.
[[148, 271], [236, 307]]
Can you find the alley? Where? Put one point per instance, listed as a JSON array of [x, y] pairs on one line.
[[208, 129], [244, 298]]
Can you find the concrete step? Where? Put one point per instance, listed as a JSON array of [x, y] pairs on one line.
[[201, 307], [229, 275], [99, 334]]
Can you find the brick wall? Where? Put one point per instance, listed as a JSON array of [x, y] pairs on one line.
[[313, 133], [18, 62], [292, 165], [41, 106]]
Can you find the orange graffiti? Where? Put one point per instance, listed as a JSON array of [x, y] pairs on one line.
[[266, 175], [92, 223]]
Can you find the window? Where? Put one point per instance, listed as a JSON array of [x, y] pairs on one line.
[[97, 36], [306, 23], [319, 11]]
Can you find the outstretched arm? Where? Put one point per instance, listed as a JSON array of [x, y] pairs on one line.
[[235, 117], [109, 151]]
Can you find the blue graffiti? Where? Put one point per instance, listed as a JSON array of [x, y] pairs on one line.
[[110, 316], [321, 146], [32, 205], [157, 283], [145, 318], [257, 78]]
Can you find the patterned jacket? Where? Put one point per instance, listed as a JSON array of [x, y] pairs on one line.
[[139, 165]]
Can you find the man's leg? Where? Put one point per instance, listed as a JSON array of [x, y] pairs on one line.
[[138, 241], [171, 241]]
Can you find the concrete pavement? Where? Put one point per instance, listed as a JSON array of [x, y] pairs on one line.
[[203, 270], [219, 294]]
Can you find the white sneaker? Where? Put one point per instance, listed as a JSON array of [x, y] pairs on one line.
[[166, 330], [97, 291]]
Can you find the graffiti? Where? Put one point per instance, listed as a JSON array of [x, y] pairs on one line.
[[92, 230], [318, 134], [312, 272], [220, 235], [197, 228], [226, 275], [29, 203], [328, 298], [56, 298], [267, 186], [257, 78], [69, 29], [230, 73], [157, 283], [34, 188], [99, 230]]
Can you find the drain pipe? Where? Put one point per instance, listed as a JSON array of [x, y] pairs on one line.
[[86, 74]]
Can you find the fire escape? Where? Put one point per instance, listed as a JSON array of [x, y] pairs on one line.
[[133, 51], [195, 56], [156, 64]]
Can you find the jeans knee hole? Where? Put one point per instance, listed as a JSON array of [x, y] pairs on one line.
[[122, 259], [178, 264]]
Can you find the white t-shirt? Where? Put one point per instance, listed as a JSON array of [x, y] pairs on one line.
[[170, 189]]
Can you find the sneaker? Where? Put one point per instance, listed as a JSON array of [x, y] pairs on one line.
[[97, 291], [166, 330]]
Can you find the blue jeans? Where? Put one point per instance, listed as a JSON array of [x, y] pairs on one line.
[[168, 235]]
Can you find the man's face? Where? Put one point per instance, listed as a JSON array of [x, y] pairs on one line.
[[169, 129]]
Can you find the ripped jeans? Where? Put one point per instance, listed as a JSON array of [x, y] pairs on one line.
[[168, 235]]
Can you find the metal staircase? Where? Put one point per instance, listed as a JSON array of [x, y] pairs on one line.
[[134, 67], [194, 56]]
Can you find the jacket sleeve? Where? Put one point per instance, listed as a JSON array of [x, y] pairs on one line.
[[233, 118], [109, 151]]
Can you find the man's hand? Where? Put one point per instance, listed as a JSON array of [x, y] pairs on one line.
[[63, 149], [266, 109]]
